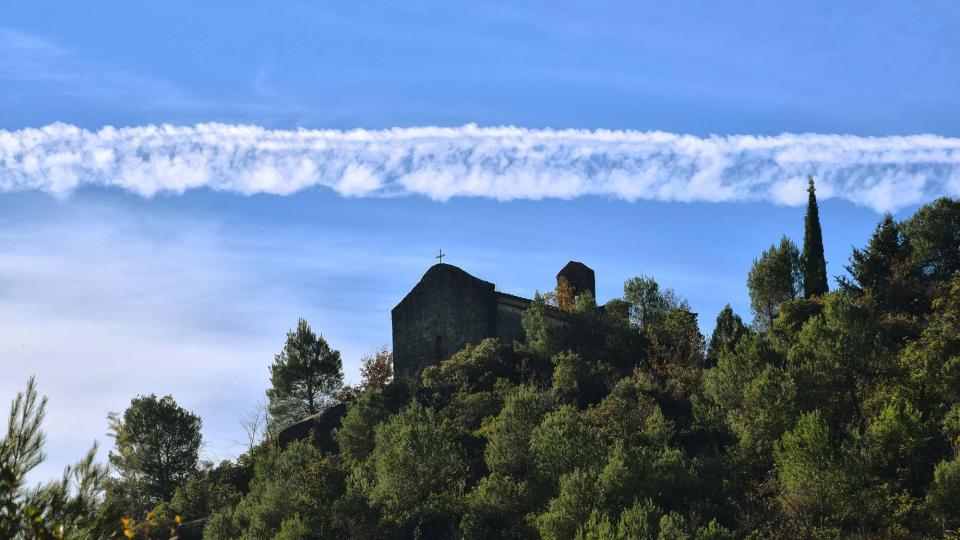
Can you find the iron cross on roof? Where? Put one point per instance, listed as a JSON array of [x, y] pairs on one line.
[[440, 256]]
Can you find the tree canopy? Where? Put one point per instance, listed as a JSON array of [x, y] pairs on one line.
[[304, 377], [157, 445], [774, 278]]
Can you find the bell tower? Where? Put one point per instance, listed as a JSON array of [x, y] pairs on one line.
[[580, 277]]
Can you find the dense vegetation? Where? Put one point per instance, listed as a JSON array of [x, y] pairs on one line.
[[834, 414]]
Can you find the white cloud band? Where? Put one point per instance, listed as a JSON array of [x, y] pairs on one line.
[[504, 163]]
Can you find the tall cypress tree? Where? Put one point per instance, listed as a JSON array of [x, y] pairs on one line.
[[814, 265]]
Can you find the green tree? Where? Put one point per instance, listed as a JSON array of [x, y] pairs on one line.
[[598, 527], [563, 441], [292, 491], [201, 495], [66, 508], [673, 526], [838, 361], [570, 508], [624, 411], [677, 351], [538, 338], [934, 233], [569, 377], [714, 531], [753, 397], [649, 305], [932, 361], [508, 445], [774, 278], [619, 481], [157, 443], [21, 450], [355, 434], [897, 446], [497, 508], [419, 471], [304, 377], [815, 486], [814, 264], [637, 522], [472, 369], [884, 274], [727, 332], [944, 495], [73, 504]]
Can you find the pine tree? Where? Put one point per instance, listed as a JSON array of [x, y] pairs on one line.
[[21, 450], [157, 447], [814, 264], [774, 278], [885, 273], [69, 507], [728, 330], [304, 377]]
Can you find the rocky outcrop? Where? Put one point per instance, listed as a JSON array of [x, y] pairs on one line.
[[317, 428]]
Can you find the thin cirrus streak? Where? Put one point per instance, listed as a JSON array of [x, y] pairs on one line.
[[503, 163]]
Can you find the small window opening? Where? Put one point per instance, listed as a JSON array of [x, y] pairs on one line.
[[438, 348]]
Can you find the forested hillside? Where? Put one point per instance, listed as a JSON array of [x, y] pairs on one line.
[[833, 414]]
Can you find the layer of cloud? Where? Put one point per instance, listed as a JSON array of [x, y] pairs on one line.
[[504, 163]]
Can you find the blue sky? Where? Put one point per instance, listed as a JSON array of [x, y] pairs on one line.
[[136, 258], [869, 68]]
